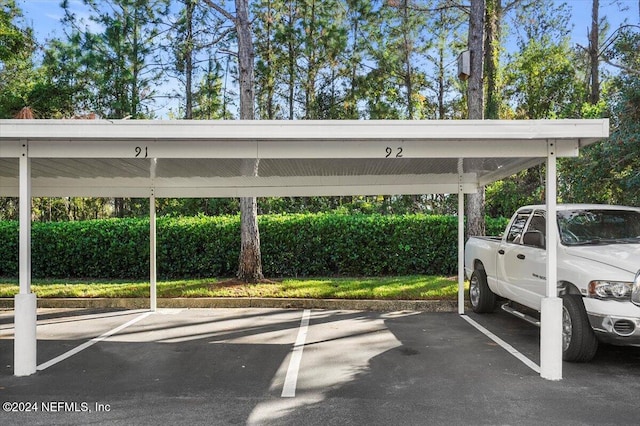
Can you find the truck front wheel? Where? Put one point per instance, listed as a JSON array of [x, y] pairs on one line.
[[579, 343], [480, 295]]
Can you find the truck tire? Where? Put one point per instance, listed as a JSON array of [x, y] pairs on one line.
[[579, 342], [480, 295]]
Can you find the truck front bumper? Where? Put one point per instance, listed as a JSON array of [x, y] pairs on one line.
[[616, 330]]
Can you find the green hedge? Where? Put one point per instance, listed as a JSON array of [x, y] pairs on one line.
[[292, 245]]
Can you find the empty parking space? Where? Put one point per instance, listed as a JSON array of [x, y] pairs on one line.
[[231, 366]]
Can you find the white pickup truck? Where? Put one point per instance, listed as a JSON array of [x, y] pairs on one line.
[[598, 256]]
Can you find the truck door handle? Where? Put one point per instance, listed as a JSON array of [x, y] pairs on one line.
[[520, 256], [500, 251]]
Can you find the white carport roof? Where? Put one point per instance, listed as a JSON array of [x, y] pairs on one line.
[[279, 158], [296, 158]]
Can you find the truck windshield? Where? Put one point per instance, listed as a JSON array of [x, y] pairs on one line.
[[584, 227]]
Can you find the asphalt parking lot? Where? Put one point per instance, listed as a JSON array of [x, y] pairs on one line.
[[313, 367]]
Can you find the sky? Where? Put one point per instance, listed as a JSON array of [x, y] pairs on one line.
[[45, 15]]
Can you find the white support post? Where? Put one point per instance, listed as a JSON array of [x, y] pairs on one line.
[[25, 302], [460, 247], [152, 252], [551, 309]]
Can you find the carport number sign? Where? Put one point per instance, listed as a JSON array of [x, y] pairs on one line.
[[390, 151], [139, 150], [143, 152]]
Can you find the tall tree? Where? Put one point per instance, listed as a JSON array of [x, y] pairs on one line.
[[610, 172], [540, 80], [530, 13], [475, 99], [397, 46], [358, 14], [121, 53], [210, 100], [250, 261], [493, 27], [196, 66], [267, 17], [185, 54], [323, 40], [288, 37], [298, 44], [594, 53], [445, 24], [475, 106]]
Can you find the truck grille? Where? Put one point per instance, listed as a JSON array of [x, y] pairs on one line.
[[624, 327]]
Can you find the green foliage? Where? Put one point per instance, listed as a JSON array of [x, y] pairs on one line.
[[47, 209], [211, 102], [118, 59], [12, 38], [298, 47], [544, 82], [17, 74], [196, 247], [64, 89], [292, 245], [105, 248], [496, 226], [609, 172], [9, 248], [504, 197]]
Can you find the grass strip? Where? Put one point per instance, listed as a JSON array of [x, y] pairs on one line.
[[414, 287]]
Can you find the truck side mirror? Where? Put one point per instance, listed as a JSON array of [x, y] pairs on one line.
[[534, 238]]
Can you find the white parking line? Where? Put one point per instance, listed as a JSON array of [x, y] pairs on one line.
[[526, 361], [291, 380], [90, 343]]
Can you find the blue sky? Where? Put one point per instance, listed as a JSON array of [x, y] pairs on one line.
[[45, 15]]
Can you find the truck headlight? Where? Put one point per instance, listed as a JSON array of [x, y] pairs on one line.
[[617, 290], [635, 293]]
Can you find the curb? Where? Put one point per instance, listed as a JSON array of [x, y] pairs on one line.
[[235, 302]]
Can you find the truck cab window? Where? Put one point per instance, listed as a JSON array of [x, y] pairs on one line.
[[517, 227], [538, 222], [536, 231]]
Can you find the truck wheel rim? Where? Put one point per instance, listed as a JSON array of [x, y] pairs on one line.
[[474, 291], [566, 329]]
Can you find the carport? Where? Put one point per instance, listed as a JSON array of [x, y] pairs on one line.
[[176, 159]]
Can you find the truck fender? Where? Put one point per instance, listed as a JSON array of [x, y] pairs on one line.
[[565, 287]]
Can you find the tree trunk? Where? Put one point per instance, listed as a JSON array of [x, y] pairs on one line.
[[475, 100], [441, 82], [250, 260], [291, 57], [492, 38], [594, 96], [188, 60]]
